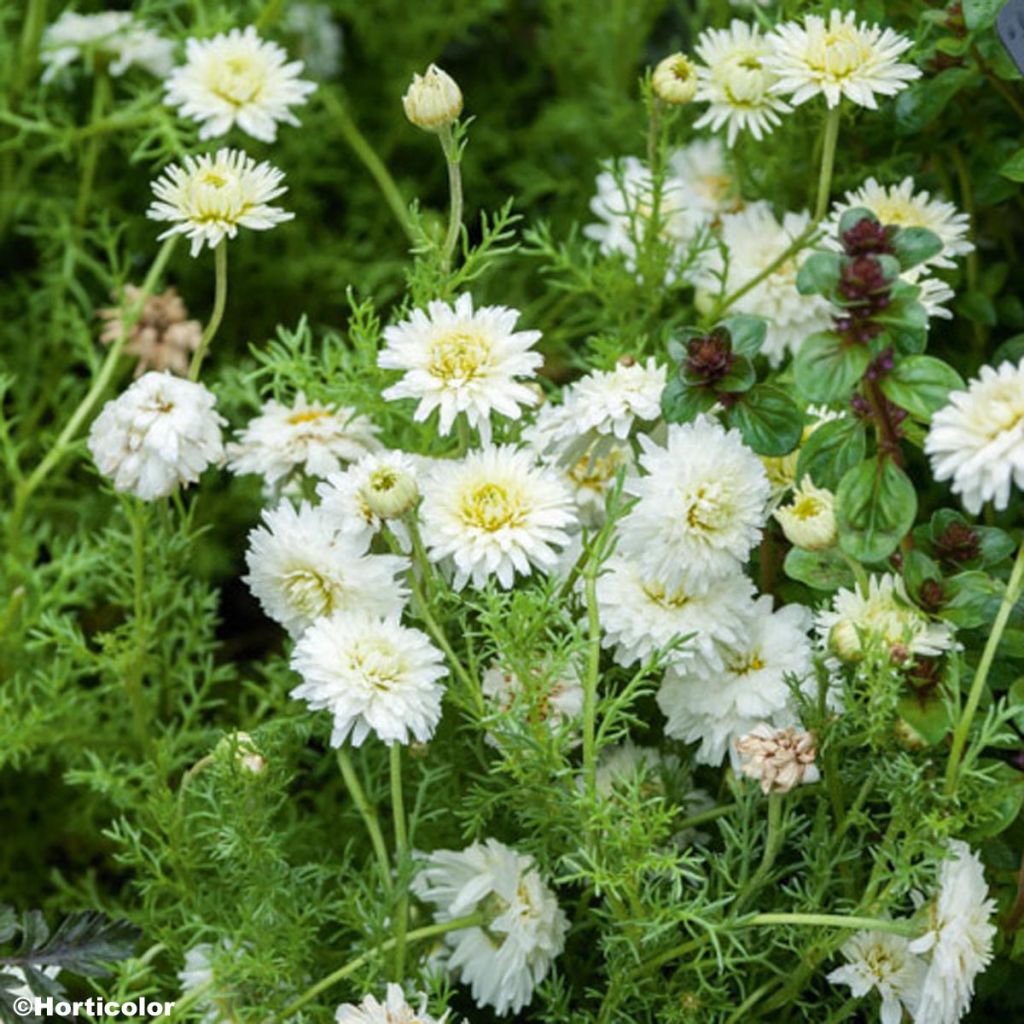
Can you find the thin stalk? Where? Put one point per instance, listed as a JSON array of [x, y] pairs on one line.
[[963, 727], [704, 817], [401, 857], [220, 298], [270, 14], [134, 675], [773, 837], [451, 156], [871, 924], [367, 813], [100, 97], [591, 681], [28, 49], [830, 136], [417, 935], [739, 1014]]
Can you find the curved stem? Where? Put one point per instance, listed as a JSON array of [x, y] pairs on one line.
[[367, 813], [220, 298], [451, 156], [713, 814], [830, 136], [401, 857], [963, 727]]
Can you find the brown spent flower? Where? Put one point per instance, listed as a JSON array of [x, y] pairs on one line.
[[778, 758], [163, 337]]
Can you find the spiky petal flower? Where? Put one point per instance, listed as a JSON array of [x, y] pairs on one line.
[[610, 402], [208, 198], [836, 58], [879, 960], [160, 433], [735, 83], [702, 502], [458, 360], [977, 439], [301, 568], [778, 758], [495, 513], [373, 674], [959, 939], [506, 958], [237, 78], [116, 36], [394, 1010]]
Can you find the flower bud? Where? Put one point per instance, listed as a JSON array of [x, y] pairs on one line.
[[240, 745], [433, 100], [675, 80], [809, 521], [390, 492]]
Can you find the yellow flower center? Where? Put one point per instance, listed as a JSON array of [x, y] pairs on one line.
[[807, 506], [840, 53], [707, 510], [307, 416], [383, 479], [594, 474], [491, 507], [682, 69], [458, 357], [664, 598], [746, 82], [309, 593], [237, 80], [744, 664], [213, 179]]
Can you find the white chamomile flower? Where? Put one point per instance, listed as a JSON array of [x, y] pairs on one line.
[[640, 615], [495, 513], [703, 170], [208, 198], [735, 83], [116, 37], [394, 1010], [504, 959], [160, 433], [885, 617], [317, 35], [460, 360], [373, 675], [883, 962], [237, 78], [610, 402], [718, 706], [977, 439], [702, 503], [809, 520], [958, 940], [301, 568], [836, 58], [934, 293], [309, 436], [620, 766], [753, 240], [379, 489]]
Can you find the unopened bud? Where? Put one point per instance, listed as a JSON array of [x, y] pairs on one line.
[[390, 492], [809, 520], [675, 80], [433, 100], [241, 747]]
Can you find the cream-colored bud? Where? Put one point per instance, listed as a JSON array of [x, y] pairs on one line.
[[390, 492], [809, 520], [675, 80], [241, 746], [433, 100], [778, 758]]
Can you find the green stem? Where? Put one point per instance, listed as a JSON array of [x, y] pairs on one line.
[[134, 675], [830, 136], [401, 857], [451, 156], [417, 935], [31, 34], [100, 96], [591, 680], [220, 298], [367, 813], [270, 14], [963, 728], [772, 839], [713, 814], [871, 924]]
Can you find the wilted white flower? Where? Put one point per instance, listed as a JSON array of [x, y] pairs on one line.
[[318, 37], [778, 758], [735, 82], [809, 520], [717, 707], [884, 616], [838, 58], [754, 240], [208, 198], [702, 502], [505, 959], [958, 940], [640, 615], [433, 99], [316, 438], [394, 1010], [115, 36], [550, 693], [881, 961], [619, 766], [160, 433], [458, 360], [495, 513], [373, 675], [977, 439], [301, 568], [675, 80], [237, 78]]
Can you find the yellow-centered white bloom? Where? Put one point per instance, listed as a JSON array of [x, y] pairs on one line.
[[495, 513], [735, 82], [433, 99], [114, 37], [237, 78], [208, 198], [462, 361], [394, 1010], [809, 520], [977, 439], [373, 675], [884, 617], [778, 759], [675, 80], [836, 58], [881, 961]]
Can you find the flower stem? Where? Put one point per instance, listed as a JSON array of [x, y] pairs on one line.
[[367, 813], [591, 680], [830, 136], [773, 836], [220, 298], [417, 935], [100, 96], [136, 670], [873, 924], [401, 857], [963, 727], [451, 156]]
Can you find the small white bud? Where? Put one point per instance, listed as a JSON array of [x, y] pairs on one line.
[[675, 80], [242, 748], [390, 492], [809, 521], [433, 100]]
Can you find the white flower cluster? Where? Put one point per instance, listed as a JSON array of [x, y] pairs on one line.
[[116, 38]]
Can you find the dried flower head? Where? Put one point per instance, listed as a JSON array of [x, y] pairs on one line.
[[778, 758], [162, 337]]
